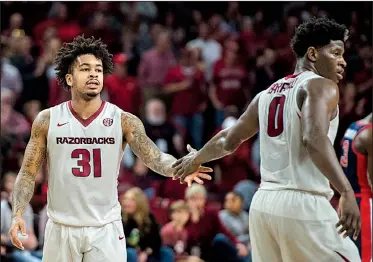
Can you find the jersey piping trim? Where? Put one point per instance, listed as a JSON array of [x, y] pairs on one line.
[[86, 122]]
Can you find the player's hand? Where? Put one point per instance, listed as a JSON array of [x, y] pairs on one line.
[[187, 171], [18, 227], [242, 250], [349, 216], [143, 257]]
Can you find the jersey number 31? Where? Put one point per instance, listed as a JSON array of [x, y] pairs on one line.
[[85, 167], [275, 125]]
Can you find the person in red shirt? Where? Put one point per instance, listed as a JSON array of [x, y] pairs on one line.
[[174, 233], [123, 89], [186, 84], [229, 85], [207, 236]]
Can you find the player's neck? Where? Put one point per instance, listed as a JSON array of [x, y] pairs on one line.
[[303, 65], [86, 108]]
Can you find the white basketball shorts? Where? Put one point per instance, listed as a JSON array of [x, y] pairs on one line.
[[84, 244], [294, 226]]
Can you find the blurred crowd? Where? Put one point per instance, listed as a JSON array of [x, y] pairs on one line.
[[187, 72]]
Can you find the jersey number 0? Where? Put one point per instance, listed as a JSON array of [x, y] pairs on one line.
[[275, 125], [84, 162]]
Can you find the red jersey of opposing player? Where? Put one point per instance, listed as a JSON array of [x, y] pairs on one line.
[[355, 165]]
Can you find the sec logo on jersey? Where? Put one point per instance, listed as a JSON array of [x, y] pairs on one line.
[[107, 121]]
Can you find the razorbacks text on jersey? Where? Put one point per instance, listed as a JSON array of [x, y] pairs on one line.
[[84, 157], [285, 164], [355, 167]]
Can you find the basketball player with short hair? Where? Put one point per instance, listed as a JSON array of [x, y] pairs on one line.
[[83, 142], [291, 218], [356, 161]]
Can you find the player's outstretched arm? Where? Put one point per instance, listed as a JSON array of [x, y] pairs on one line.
[[363, 144], [320, 99], [24, 186], [145, 149], [223, 143]]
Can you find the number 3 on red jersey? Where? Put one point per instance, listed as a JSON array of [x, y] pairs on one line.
[[84, 166], [275, 124]]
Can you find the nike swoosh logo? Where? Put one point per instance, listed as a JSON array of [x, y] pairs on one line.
[[62, 124], [120, 238]]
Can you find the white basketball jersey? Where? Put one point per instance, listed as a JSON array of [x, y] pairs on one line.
[[285, 164], [84, 158]]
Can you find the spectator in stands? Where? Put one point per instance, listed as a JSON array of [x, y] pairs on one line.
[[170, 139], [235, 219], [210, 48], [20, 56], [193, 26], [60, 18], [12, 122], [265, 74], [10, 77], [154, 66], [229, 85], [236, 167], [186, 85], [148, 38], [29, 243], [220, 30], [141, 230], [45, 63], [7, 185], [262, 35], [174, 233], [15, 25], [247, 189], [99, 27], [247, 36], [132, 29], [167, 136], [233, 16], [148, 11], [285, 61], [207, 237], [123, 90]]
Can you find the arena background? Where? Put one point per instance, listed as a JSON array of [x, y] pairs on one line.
[[250, 39]]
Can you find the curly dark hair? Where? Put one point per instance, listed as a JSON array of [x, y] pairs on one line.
[[317, 32], [67, 55]]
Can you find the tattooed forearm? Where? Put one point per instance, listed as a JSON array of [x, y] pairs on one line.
[[33, 159], [216, 148], [23, 191], [144, 148]]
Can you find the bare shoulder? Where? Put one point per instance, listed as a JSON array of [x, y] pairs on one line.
[[321, 87], [40, 125]]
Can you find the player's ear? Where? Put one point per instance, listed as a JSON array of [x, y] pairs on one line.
[[312, 54], [69, 79]]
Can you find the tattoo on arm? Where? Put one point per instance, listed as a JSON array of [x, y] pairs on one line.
[[144, 148], [33, 159], [214, 149]]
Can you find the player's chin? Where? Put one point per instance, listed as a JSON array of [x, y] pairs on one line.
[[92, 93], [335, 79]]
